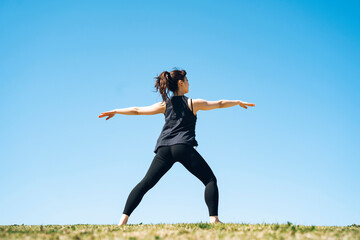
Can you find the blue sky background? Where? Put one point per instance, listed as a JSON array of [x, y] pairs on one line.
[[293, 157]]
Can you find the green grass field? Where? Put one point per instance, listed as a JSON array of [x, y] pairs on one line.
[[179, 231]]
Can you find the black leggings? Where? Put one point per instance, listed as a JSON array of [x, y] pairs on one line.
[[164, 159]]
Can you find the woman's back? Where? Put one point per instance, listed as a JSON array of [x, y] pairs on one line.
[[180, 123]]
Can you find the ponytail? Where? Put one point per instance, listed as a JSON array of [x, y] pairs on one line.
[[167, 81]]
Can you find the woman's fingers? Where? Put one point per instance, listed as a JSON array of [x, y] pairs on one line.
[[248, 104], [107, 114], [244, 104], [104, 114]]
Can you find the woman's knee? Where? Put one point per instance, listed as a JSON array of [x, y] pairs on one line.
[[143, 186], [212, 180]]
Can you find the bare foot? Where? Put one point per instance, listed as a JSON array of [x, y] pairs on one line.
[[214, 219], [123, 220]]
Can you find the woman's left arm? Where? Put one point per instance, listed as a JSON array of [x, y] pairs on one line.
[[148, 110], [126, 111]]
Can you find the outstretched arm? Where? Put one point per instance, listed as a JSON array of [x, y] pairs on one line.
[[126, 111], [201, 104], [148, 110], [230, 103]]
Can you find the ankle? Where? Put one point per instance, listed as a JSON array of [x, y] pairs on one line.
[[123, 220]]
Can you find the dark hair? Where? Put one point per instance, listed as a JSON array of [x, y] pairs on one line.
[[168, 81]]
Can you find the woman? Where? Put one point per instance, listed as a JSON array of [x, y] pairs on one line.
[[177, 139]]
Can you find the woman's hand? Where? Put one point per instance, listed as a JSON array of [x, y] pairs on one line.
[[109, 114], [244, 104]]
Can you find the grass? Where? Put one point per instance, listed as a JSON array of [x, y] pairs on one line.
[[179, 231]]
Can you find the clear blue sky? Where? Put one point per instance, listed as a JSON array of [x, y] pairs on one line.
[[293, 157]]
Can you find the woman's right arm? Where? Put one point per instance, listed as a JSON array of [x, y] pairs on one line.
[[201, 104]]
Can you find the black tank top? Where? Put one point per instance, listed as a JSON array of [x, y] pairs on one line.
[[179, 124]]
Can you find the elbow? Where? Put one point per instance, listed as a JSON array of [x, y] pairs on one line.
[[135, 111], [221, 103]]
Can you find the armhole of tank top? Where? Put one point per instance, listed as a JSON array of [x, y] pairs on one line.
[[166, 103], [192, 110]]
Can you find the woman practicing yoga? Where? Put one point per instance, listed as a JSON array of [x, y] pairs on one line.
[[177, 139]]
